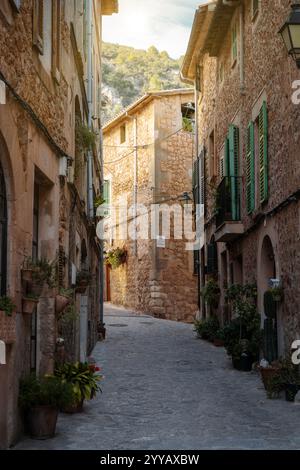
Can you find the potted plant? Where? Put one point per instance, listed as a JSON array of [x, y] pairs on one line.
[[7, 320], [29, 303], [242, 336], [115, 257], [207, 329], [287, 379], [40, 400], [35, 273], [211, 293], [83, 279], [277, 293], [268, 372], [84, 379], [219, 338], [63, 299]]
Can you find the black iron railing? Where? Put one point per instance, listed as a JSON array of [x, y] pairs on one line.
[[228, 200]]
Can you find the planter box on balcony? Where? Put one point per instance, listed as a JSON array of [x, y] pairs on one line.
[[7, 327]]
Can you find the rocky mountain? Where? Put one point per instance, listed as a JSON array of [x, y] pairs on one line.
[[128, 73]]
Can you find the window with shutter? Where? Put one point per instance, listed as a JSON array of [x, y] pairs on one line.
[[38, 25], [233, 169], [250, 169], [263, 153], [56, 39], [212, 258]]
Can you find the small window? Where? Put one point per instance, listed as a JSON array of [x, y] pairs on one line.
[[234, 43], [255, 9], [123, 133]]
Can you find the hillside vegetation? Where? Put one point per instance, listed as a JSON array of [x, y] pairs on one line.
[[128, 73]]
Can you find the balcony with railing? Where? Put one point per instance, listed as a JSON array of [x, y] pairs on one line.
[[228, 202]]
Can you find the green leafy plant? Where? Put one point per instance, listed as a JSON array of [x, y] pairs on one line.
[[66, 292], [243, 335], [115, 257], [45, 391], [31, 296], [85, 137], [7, 305], [287, 379], [277, 293], [207, 329], [98, 201], [42, 270], [211, 293], [83, 377], [84, 277], [187, 124]]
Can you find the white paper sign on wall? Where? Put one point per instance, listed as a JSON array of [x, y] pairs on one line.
[[161, 241], [2, 353]]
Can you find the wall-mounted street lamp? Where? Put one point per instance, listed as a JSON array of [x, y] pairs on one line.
[[184, 198], [290, 33]]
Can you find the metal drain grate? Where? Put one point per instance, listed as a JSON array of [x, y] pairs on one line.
[[118, 324]]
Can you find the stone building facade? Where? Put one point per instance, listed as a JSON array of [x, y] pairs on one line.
[[248, 131], [148, 157], [44, 205]]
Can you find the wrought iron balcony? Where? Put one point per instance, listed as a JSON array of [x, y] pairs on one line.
[[228, 202]]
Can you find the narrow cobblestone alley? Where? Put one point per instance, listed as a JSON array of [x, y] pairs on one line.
[[165, 389]]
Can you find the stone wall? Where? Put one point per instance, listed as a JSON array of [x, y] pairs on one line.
[[268, 74], [158, 281]]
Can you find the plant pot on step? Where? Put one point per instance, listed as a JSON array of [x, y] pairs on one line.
[[267, 375], [29, 305], [74, 408], [7, 327], [41, 421], [243, 363], [61, 302], [291, 391]]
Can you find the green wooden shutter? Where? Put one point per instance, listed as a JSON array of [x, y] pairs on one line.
[[250, 169], [226, 158], [263, 153], [196, 181], [233, 170]]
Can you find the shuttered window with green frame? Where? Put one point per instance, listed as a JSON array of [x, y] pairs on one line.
[[263, 153], [233, 167], [250, 169]]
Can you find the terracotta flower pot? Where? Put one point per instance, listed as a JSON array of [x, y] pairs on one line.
[[26, 274], [41, 421], [28, 305], [219, 343], [75, 408], [267, 374], [61, 302], [7, 327]]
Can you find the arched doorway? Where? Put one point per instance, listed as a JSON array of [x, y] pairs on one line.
[[269, 307]]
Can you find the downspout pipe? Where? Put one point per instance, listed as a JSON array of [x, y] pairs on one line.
[[135, 182], [90, 105]]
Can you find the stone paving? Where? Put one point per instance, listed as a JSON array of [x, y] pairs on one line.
[[164, 389]]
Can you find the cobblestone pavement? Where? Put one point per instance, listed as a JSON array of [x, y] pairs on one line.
[[165, 389]]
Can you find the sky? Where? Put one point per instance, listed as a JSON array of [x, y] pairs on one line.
[[165, 24]]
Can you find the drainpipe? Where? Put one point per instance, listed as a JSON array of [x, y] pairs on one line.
[[198, 213], [90, 105], [135, 180]]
